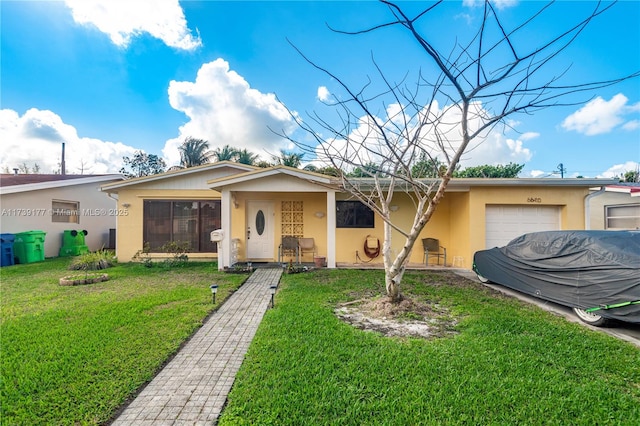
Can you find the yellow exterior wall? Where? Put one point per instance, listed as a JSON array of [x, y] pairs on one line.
[[314, 227], [570, 200], [350, 240], [459, 221], [129, 237], [458, 245]]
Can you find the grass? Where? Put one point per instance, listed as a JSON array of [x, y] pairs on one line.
[[73, 355], [510, 363]]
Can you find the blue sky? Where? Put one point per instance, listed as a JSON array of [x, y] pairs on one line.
[[112, 77]]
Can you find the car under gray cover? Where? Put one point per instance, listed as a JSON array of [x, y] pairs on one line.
[[595, 272]]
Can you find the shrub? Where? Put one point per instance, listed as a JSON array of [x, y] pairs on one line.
[[93, 261], [178, 249]]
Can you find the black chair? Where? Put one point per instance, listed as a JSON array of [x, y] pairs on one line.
[[432, 248], [289, 247]]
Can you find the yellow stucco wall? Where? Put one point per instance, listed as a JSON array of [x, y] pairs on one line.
[[129, 237], [314, 227], [570, 201], [350, 240], [459, 221]]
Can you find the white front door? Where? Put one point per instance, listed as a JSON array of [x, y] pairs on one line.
[[259, 230]]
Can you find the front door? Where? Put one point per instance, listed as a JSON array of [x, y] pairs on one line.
[[259, 230]]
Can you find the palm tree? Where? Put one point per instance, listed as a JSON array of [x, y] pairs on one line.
[[194, 152], [226, 153], [289, 159], [246, 157]]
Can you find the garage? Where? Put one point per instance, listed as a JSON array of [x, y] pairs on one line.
[[506, 222]]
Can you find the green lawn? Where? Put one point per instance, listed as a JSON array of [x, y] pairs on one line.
[[510, 364], [73, 355]]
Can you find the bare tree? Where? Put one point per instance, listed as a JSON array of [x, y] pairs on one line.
[[470, 87]]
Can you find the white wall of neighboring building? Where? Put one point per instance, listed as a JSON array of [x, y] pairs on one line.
[[598, 204], [31, 211]]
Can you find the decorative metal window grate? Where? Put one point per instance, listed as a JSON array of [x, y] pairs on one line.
[[292, 218]]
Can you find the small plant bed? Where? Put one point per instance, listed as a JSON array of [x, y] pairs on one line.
[[295, 268], [238, 269], [83, 279]]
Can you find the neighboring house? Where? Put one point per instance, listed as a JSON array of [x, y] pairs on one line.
[[255, 207], [55, 203], [614, 207]]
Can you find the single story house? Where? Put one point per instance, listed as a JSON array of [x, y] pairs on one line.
[[255, 207], [615, 207], [57, 203]]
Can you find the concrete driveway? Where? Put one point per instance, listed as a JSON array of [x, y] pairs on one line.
[[624, 331]]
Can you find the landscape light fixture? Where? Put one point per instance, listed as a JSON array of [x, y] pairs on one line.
[[214, 290], [273, 293]]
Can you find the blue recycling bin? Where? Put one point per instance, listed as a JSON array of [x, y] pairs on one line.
[[6, 245]]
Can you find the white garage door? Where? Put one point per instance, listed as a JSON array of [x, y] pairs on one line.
[[505, 223]]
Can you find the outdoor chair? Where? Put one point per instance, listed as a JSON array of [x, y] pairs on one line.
[[307, 245], [289, 247], [432, 248]]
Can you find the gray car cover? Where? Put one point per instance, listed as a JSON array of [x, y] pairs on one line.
[[581, 269]]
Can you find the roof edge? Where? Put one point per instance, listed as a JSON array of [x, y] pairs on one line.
[[13, 189]]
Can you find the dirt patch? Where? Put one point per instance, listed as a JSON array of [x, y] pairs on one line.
[[408, 318], [413, 316]]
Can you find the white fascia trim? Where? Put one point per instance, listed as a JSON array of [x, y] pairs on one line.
[[57, 184]]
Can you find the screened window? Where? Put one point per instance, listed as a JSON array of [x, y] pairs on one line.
[[65, 211], [623, 217], [353, 214], [181, 221]]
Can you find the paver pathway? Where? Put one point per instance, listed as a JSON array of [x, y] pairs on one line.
[[192, 388]]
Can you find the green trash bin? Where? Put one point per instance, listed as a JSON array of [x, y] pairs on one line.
[[28, 246]]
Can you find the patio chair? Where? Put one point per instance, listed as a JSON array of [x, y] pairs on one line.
[[432, 248], [307, 245], [289, 247]]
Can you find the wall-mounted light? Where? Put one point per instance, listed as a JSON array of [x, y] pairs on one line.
[[126, 205], [393, 207], [234, 201], [319, 215]]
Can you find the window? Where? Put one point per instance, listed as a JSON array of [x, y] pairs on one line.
[[622, 217], [353, 214], [65, 211], [181, 221]]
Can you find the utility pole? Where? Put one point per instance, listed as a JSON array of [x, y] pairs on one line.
[[561, 170]]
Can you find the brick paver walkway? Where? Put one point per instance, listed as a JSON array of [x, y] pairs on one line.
[[192, 388]]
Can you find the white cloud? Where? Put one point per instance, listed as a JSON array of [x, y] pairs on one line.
[[537, 173], [124, 19], [599, 116], [500, 4], [529, 135], [224, 110], [364, 145], [37, 136], [619, 170], [323, 94], [631, 125]]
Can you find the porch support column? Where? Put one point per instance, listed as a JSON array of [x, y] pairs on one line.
[[225, 207], [331, 229]]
